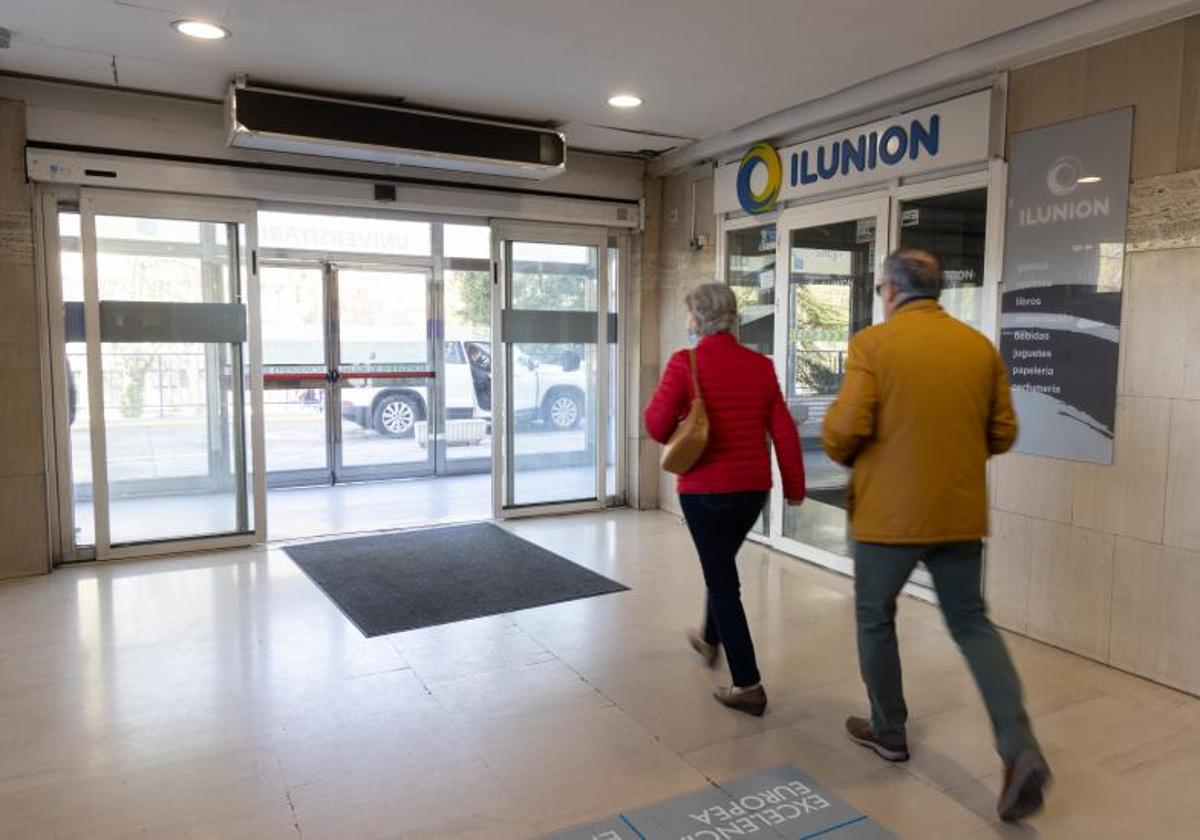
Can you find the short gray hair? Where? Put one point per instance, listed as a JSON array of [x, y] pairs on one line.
[[714, 307], [915, 272]]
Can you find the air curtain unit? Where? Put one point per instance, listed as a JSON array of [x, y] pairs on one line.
[[286, 121]]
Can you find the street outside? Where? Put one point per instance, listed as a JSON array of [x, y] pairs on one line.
[[177, 447]]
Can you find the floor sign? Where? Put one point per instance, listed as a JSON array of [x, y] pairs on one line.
[[782, 803]]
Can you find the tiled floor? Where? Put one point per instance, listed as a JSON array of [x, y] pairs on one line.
[[225, 696]]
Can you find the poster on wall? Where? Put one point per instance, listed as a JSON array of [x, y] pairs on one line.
[[1064, 256]]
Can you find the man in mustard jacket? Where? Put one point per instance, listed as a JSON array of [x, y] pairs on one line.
[[924, 404]]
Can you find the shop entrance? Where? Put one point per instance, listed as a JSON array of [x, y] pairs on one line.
[[805, 282]]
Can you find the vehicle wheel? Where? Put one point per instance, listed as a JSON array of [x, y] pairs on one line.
[[563, 410], [396, 415]]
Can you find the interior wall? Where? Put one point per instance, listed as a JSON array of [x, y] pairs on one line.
[[1105, 560], [682, 263], [24, 523]]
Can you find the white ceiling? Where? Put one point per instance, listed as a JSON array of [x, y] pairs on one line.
[[702, 66]]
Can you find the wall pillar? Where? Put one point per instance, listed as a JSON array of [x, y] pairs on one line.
[[24, 512]]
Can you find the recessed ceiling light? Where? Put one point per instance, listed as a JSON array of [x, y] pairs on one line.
[[1089, 179], [625, 100], [200, 29]]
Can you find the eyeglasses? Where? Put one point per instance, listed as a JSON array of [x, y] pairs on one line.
[[879, 288]]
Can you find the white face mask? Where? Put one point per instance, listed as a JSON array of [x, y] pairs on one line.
[[693, 338]]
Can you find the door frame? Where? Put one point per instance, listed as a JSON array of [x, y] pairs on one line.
[[505, 232], [879, 206], [93, 202]]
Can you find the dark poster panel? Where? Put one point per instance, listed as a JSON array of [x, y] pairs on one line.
[[1064, 256]]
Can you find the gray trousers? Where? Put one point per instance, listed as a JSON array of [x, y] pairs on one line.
[[880, 574]]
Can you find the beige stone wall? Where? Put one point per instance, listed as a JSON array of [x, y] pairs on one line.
[[670, 267], [24, 524], [1105, 561]]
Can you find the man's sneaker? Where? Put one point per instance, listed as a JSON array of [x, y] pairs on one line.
[[859, 730], [1025, 783]]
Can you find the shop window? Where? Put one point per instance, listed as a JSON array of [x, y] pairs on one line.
[[954, 227]]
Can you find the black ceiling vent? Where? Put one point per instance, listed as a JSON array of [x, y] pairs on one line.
[[290, 121]]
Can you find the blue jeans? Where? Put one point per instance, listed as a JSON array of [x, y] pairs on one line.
[[719, 523], [880, 572]]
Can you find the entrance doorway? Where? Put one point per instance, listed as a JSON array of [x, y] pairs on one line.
[[805, 282], [209, 350], [154, 416], [348, 372], [377, 371], [556, 306]]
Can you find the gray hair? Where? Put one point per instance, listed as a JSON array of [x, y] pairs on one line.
[[714, 307], [915, 272]]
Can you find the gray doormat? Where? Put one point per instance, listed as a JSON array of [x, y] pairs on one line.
[[412, 579]]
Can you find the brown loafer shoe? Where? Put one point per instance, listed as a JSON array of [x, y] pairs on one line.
[[752, 702], [859, 731], [1025, 782], [706, 651]]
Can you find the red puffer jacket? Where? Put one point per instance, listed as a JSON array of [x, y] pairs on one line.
[[744, 405]]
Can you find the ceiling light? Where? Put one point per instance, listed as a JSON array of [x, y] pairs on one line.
[[200, 29], [1089, 179], [625, 100]]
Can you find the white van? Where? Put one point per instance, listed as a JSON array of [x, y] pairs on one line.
[[550, 394]]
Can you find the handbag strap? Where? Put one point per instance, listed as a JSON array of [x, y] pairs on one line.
[[696, 395]]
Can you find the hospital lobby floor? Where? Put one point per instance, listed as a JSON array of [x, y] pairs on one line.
[[224, 695]]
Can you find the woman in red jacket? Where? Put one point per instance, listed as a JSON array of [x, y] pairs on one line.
[[724, 493]]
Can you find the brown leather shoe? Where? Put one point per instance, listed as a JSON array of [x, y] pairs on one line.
[[752, 702], [1025, 782], [859, 730], [706, 651]]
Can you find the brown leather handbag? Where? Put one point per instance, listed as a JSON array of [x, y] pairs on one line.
[[690, 437]]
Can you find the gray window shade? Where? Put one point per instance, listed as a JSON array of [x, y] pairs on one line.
[[530, 326], [197, 323]]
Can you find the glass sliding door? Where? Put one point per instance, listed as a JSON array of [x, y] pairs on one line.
[[465, 436], [552, 308], [349, 372], [384, 373], [168, 296], [750, 273], [830, 256], [295, 374]]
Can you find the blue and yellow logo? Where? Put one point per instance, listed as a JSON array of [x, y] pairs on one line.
[[763, 201]]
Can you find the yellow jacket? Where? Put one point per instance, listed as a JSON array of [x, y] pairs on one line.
[[924, 404]]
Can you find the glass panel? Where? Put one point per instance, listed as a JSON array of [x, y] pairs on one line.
[[831, 278], [78, 405], [383, 329], [345, 234], [551, 389], [293, 336], [467, 241], [954, 227], [750, 272], [173, 409], [468, 380]]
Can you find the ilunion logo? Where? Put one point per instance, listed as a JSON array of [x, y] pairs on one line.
[[761, 200], [1063, 176]]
